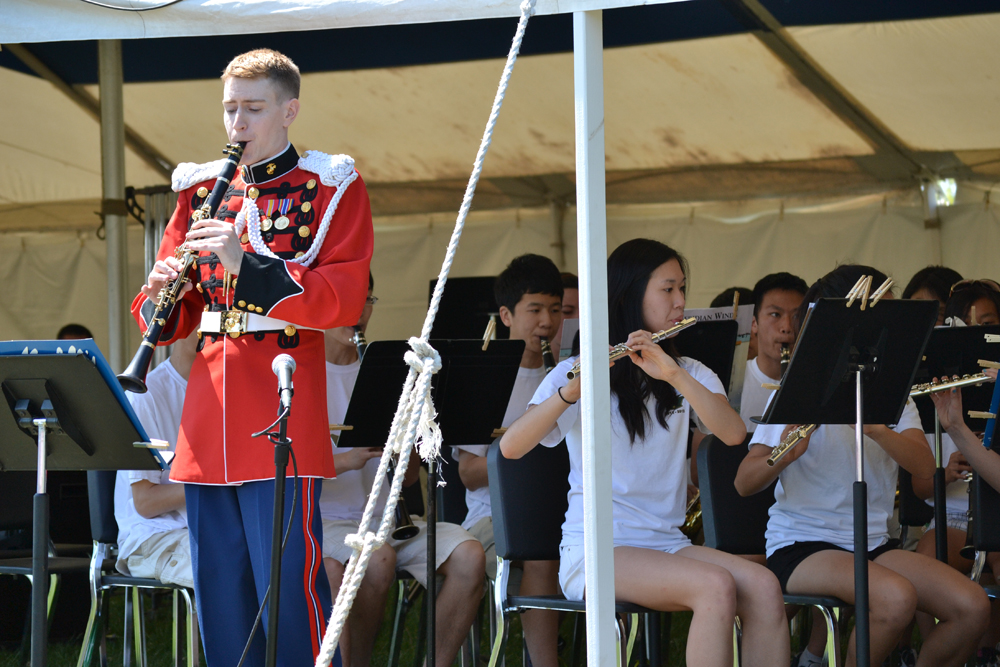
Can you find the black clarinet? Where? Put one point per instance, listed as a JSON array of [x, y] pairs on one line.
[[548, 359], [134, 377], [404, 530]]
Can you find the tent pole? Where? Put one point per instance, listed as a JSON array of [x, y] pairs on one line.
[[109, 56], [592, 249]]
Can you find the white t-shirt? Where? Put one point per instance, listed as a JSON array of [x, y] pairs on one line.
[[527, 381], [814, 496], [344, 498], [755, 397], [957, 493], [649, 494], [159, 411]]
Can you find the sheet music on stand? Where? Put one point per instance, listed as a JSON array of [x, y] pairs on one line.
[[66, 411], [744, 321], [854, 365], [957, 351], [471, 392]]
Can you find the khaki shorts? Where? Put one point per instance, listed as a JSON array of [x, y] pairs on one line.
[[164, 556], [411, 554], [483, 531]]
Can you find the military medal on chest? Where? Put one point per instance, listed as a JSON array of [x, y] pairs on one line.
[[282, 222]]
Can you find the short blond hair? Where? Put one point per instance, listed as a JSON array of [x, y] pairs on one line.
[[268, 64]]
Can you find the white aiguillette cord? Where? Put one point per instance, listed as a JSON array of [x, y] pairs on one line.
[[414, 422]]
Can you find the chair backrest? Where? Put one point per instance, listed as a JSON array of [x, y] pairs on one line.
[[529, 497], [985, 504], [451, 497], [101, 494], [912, 510], [17, 489], [732, 523]]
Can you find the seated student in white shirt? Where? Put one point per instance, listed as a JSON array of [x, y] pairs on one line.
[[986, 463], [149, 508], [653, 394], [529, 292], [342, 503], [810, 534], [776, 299]]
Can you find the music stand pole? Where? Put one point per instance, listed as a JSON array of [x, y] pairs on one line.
[[940, 499], [432, 482], [277, 524], [40, 556], [862, 637]]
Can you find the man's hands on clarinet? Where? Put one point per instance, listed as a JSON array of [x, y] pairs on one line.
[[213, 236], [218, 237]]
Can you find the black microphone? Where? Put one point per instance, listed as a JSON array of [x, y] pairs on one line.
[[283, 366]]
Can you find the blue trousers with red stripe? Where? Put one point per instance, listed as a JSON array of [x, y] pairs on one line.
[[230, 528]]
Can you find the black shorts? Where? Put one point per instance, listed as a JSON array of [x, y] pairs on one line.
[[784, 561]]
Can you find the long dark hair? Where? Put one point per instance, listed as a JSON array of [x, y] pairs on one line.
[[836, 285], [629, 269]]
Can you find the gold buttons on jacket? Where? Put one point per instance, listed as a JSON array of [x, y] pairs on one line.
[[245, 238], [259, 309], [304, 231], [253, 192], [289, 331], [306, 207], [203, 192], [242, 304], [311, 184], [250, 306]]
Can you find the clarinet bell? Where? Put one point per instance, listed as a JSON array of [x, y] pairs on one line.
[[404, 530]]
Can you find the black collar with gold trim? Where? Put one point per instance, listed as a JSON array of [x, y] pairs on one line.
[[268, 170]]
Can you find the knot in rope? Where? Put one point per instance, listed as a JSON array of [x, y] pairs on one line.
[[357, 542], [423, 358]]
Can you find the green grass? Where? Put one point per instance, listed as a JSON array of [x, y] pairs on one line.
[[158, 611]]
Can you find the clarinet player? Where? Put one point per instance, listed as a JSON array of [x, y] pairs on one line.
[[286, 256]]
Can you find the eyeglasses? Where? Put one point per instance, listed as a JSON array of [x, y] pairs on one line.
[[966, 284], [372, 300]]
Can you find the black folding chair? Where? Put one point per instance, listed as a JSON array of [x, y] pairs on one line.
[[912, 510], [17, 491], [104, 577], [529, 501], [736, 525]]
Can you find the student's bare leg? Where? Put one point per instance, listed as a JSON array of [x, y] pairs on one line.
[[992, 635], [927, 547], [541, 627], [892, 599], [668, 582], [759, 604], [458, 600], [959, 604], [369, 604], [335, 575]]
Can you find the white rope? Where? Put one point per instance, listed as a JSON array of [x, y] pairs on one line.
[[414, 423]]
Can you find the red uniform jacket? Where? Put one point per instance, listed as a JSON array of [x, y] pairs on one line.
[[232, 391]]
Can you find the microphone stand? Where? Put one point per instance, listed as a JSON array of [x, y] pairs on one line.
[[281, 450]]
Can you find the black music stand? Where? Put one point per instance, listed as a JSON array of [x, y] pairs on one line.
[[465, 310], [470, 392], [854, 366], [712, 343], [67, 411], [951, 351]]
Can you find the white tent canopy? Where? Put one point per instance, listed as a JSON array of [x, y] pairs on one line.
[[58, 20]]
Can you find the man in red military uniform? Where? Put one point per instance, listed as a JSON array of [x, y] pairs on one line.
[[286, 257]]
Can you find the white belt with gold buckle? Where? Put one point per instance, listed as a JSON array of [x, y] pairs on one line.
[[240, 322]]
